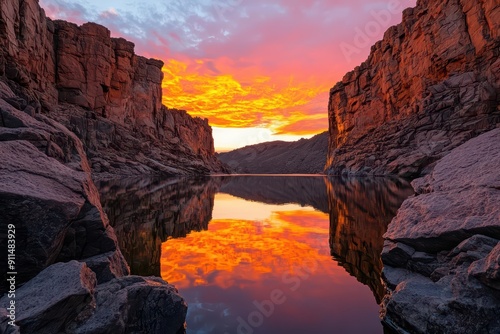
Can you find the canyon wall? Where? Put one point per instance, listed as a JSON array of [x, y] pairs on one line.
[[432, 83], [97, 87]]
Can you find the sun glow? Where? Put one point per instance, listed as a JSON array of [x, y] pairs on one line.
[[281, 105]]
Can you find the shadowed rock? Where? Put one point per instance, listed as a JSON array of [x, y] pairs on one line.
[[453, 280]]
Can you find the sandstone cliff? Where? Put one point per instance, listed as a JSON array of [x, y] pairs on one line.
[[97, 87], [431, 84], [305, 156]]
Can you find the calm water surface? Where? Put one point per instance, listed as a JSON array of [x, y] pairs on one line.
[[261, 254]]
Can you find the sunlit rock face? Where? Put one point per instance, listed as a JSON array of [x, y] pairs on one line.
[[431, 84], [100, 89], [360, 210], [146, 212]]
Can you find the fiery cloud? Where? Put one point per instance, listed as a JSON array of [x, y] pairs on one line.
[[229, 101]]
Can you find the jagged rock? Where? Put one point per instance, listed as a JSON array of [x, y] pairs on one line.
[[487, 270], [108, 266], [448, 212], [56, 296], [306, 156], [396, 254], [428, 86], [455, 220], [45, 199], [135, 305]]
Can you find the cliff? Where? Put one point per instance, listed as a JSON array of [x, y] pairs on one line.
[[65, 255], [306, 156], [429, 85], [97, 87]]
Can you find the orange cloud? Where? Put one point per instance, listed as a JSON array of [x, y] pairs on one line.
[[243, 98]]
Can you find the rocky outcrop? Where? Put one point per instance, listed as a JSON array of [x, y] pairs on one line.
[[146, 212], [431, 84], [49, 202], [442, 249], [360, 210], [66, 252], [64, 298], [98, 88], [306, 156]]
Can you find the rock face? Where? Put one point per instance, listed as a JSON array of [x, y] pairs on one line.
[[431, 84], [67, 255], [98, 88], [306, 156], [64, 298], [442, 249]]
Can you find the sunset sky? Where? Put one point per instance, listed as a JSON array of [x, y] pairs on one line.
[[259, 70]]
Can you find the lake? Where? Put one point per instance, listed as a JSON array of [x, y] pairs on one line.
[[261, 254]]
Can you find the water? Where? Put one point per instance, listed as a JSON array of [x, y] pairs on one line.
[[261, 254]]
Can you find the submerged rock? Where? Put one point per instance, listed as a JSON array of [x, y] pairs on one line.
[[453, 280]]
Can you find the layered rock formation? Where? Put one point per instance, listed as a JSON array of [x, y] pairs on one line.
[[442, 250], [431, 84], [306, 156], [146, 212], [47, 195], [102, 91], [360, 210]]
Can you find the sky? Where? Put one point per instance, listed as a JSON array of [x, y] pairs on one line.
[[259, 70]]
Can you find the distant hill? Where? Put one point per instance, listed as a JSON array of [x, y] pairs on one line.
[[306, 156]]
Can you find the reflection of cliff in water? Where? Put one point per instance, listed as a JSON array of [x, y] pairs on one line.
[[307, 190], [360, 210], [145, 212]]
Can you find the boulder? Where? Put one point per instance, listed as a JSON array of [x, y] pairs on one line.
[[55, 297], [135, 305], [453, 280]]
